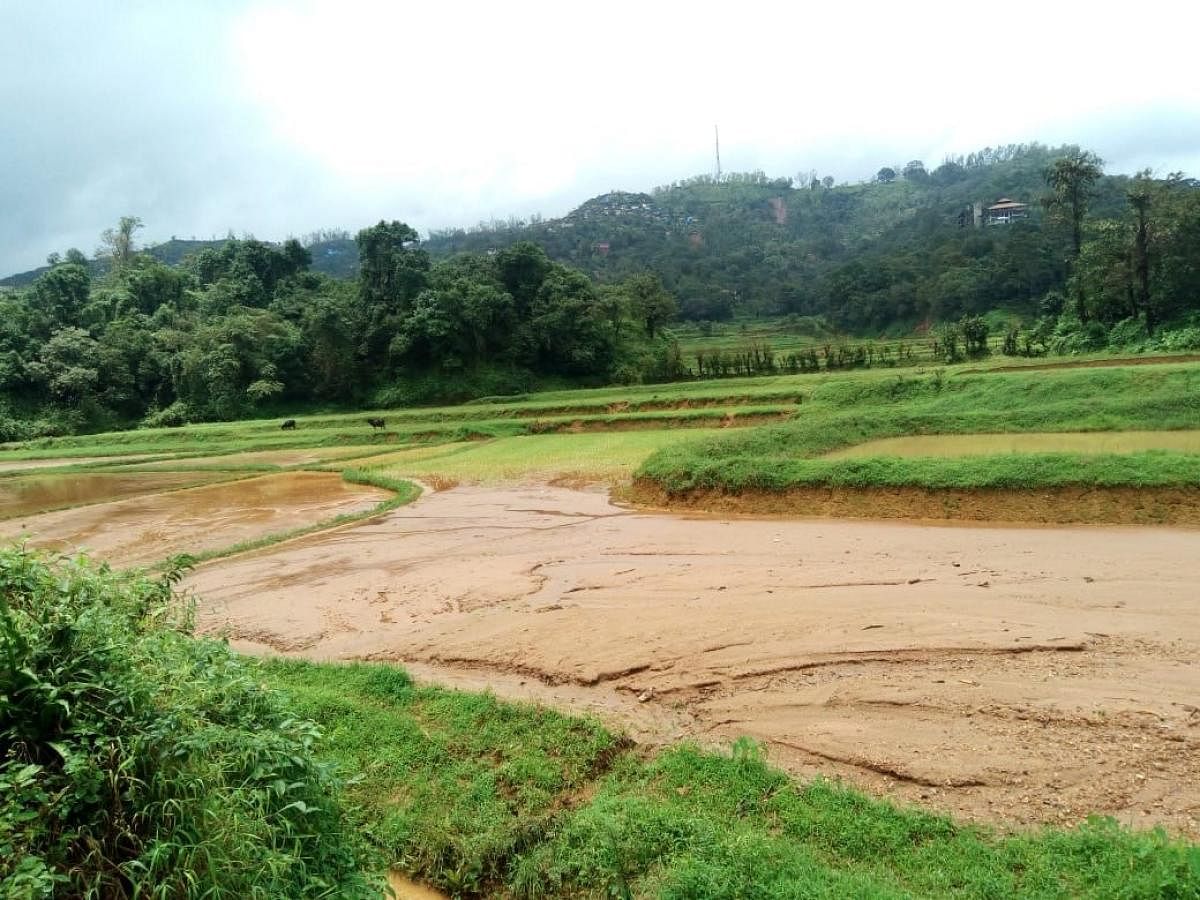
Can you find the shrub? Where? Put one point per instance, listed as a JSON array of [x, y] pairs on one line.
[[1128, 333], [178, 413], [1180, 339], [138, 760]]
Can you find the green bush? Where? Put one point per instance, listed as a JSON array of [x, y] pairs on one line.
[[138, 760], [178, 413], [1180, 339]]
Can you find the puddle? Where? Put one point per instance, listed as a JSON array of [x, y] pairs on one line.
[[144, 530], [1033, 442], [407, 889], [28, 495]]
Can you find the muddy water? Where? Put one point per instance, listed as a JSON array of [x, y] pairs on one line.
[[26, 495], [144, 530], [1034, 442], [1016, 674]]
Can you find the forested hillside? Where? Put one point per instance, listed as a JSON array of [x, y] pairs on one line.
[[889, 255], [333, 253], [199, 330], [245, 327]]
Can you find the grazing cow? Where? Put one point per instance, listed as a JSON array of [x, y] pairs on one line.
[[288, 425], [375, 423]]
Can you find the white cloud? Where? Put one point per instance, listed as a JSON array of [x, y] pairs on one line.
[[278, 117]]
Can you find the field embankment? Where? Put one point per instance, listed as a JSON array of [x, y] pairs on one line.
[[787, 468]]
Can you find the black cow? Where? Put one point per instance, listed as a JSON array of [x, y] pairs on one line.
[[375, 423], [288, 425]]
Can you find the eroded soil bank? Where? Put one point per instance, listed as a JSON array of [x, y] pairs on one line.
[[1056, 506], [1019, 675], [144, 530]]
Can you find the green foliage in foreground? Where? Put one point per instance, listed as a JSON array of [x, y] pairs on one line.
[[488, 798], [139, 761], [844, 412]]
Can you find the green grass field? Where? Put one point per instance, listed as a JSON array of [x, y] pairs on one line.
[[847, 412], [610, 457], [485, 798]]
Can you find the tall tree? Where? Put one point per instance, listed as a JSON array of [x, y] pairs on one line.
[[118, 243], [1140, 197], [1072, 179]]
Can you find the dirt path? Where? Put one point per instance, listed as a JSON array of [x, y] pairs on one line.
[[1018, 675], [143, 530]]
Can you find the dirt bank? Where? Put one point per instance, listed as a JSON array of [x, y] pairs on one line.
[[144, 530], [1059, 506], [1019, 675]]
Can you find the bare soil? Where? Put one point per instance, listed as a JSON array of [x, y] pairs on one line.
[[1063, 505], [145, 530], [1018, 675]]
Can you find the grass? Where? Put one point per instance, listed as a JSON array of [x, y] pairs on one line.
[[851, 411], [604, 456], [485, 798]]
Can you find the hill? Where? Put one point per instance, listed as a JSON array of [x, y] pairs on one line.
[[900, 249], [337, 257]]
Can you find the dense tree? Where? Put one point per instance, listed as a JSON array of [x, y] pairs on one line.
[[1072, 179]]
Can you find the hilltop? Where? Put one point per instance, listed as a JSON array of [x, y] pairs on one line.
[[909, 245], [336, 257]]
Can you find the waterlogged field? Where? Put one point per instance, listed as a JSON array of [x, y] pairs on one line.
[[1062, 689], [30, 494]]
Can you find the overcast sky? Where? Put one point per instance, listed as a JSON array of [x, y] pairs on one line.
[[277, 118]]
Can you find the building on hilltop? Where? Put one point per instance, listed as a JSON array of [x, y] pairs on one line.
[[1004, 211]]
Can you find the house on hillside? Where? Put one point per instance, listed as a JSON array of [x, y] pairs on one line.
[[1005, 211]]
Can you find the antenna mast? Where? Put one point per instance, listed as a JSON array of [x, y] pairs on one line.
[[717, 138]]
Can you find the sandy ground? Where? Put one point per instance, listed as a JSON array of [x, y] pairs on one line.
[[1016, 675], [144, 530]]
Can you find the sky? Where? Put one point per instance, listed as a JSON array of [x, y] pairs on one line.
[[279, 118]]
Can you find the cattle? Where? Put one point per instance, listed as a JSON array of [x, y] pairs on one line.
[[288, 425], [375, 423]]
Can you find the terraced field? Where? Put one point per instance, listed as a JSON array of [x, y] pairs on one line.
[[1008, 672]]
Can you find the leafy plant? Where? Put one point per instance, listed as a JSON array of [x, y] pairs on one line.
[[139, 760]]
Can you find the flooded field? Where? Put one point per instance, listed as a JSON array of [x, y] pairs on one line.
[[1032, 442], [1012, 674], [146, 529], [27, 495]]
